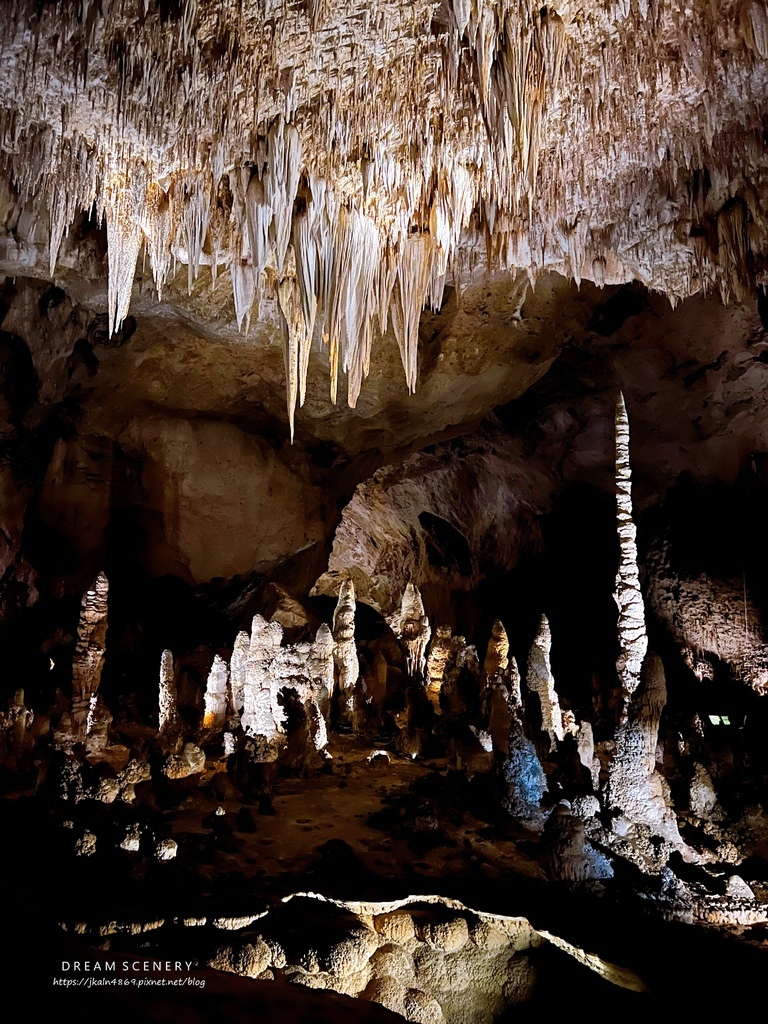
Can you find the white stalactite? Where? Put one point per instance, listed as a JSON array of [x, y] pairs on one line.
[[519, 110]]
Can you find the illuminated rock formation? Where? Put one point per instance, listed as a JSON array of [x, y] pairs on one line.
[[345, 652], [168, 712], [216, 696], [712, 621], [191, 761], [566, 854], [237, 671], [320, 665], [497, 654], [89, 653], [441, 650], [541, 682], [633, 640], [411, 626], [97, 725], [636, 793], [263, 717], [344, 239]]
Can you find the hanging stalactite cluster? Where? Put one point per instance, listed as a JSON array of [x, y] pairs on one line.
[[349, 160]]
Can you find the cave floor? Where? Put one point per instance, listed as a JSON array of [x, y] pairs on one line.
[[370, 829], [366, 803]]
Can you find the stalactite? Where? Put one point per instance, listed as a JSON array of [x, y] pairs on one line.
[[499, 135], [295, 344], [633, 639], [123, 244], [410, 293]]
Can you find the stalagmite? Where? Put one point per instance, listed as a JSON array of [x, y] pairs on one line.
[[89, 653], [503, 705], [515, 687], [345, 652], [237, 671], [320, 664], [15, 725], [216, 695], [566, 854], [524, 779], [263, 717], [633, 639], [541, 681], [635, 793], [97, 725], [411, 626], [497, 654], [441, 650], [168, 713]]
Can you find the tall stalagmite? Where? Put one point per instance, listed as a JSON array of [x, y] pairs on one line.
[[168, 712], [441, 650], [345, 652], [216, 696], [541, 681], [89, 653], [633, 639]]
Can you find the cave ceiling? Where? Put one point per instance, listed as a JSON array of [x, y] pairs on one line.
[[342, 166]]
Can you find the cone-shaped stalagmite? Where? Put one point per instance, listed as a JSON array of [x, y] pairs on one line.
[[635, 792], [497, 654], [542, 682]]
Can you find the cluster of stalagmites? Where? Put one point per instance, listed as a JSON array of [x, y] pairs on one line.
[[274, 706]]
